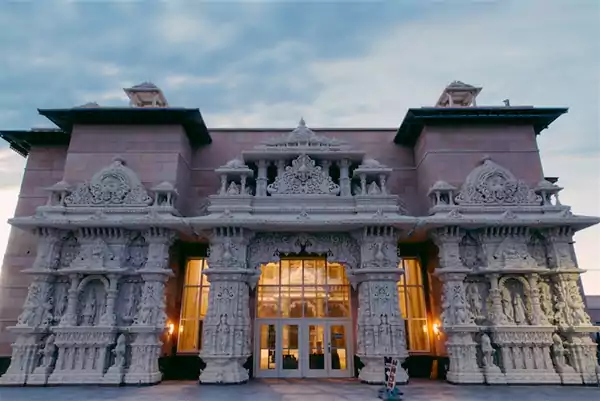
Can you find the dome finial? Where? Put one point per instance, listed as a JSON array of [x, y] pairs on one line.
[[302, 123]]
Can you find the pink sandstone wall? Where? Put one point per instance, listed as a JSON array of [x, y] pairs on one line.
[[44, 168], [450, 153]]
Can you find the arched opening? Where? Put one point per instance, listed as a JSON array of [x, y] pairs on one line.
[[303, 319]]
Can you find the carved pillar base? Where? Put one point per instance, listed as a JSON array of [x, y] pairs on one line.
[[40, 376], [145, 350], [115, 375], [374, 371], [25, 355], [462, 352], [582, 351], [222, 370]]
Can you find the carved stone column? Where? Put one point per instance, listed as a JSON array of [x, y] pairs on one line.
[[576, 326], [345, 189], [150, 322], [226, 334], [381, 330], [457, 322], [37, 316], [261, 179]]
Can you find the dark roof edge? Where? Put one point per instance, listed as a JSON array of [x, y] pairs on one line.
[[190, 119], [21, 141], [417, 118]]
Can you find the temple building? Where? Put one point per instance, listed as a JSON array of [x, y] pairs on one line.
[[146, 246]]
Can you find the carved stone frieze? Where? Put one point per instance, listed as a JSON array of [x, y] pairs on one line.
[[115, 185], [490, 184], [303, 177]]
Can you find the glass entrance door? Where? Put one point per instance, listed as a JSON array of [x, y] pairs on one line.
[[326, 349]]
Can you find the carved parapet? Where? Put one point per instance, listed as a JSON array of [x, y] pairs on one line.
[[25, 355]]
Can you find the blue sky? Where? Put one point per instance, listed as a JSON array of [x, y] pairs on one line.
[[337, 63]]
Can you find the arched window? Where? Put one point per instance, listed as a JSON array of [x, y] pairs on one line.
[[411, 293], [193, 306]]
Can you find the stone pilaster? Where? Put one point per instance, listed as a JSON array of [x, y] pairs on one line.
[[381, 330], [457, 322], [226, 334], [150, 322]]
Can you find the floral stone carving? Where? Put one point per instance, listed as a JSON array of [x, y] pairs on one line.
[[303, 177], [490, 184], [115, 185]]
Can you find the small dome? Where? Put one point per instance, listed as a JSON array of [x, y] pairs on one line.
[[442, 186], [235, 163], [371, 163], [164, 186]]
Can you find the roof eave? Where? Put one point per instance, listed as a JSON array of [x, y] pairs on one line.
[[417, 118]]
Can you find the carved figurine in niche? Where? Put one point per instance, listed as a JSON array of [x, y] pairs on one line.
[[61, 295], [68, 250], [558, 352], [470, 252], [560, 307], [487, 352], [373, 189], [385, 334], [90, 308], [223, 333], [120, 351], [138, 252], [546, 302], [507, 306], [47, 316], [475, 300], [508, 255], [519, 309], [538, 250], [233, 189], [49, 352], [575, 303]]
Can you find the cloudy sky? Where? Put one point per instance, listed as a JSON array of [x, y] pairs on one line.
[[337, 63]]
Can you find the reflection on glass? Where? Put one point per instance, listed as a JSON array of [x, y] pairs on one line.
[[267, 347], [268, 301], [316, 340], [188, 336], [418, 335], [411, 294], [289, 289], [338, 347], [192, 274], [189, 308], [289, 346]]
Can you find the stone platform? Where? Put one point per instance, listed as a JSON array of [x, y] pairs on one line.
[[299, 390]]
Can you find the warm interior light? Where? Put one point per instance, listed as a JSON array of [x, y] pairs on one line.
[[171, 328], [181, 329], [424, 328], [436, 329]]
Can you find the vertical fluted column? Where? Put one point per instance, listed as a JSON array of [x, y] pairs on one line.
[[226, 333], [457, 322], [381, 330]]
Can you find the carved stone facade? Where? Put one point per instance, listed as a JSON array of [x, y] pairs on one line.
[[95, 313], [512, 305]]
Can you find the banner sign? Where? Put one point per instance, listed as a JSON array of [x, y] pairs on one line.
[[391, 365]]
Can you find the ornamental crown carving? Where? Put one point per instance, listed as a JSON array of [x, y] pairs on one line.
[[303, 177], [303, 137], [493, 185], [114, 185]]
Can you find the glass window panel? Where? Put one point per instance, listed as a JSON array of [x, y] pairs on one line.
[[267, 346], [268, 301], [338, 347], [316, 342], [336, 274], [402, 300], [296, 272], [418, 335], [412, 268], [291, 301], [416, 302], [338, 301], [289, 347], [188, 336], [321, 268], [192, 274], [284, 275], [269, 274], [204, 301], [189, 308]]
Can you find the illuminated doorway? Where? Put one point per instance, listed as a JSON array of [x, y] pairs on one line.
[[303, 324]]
